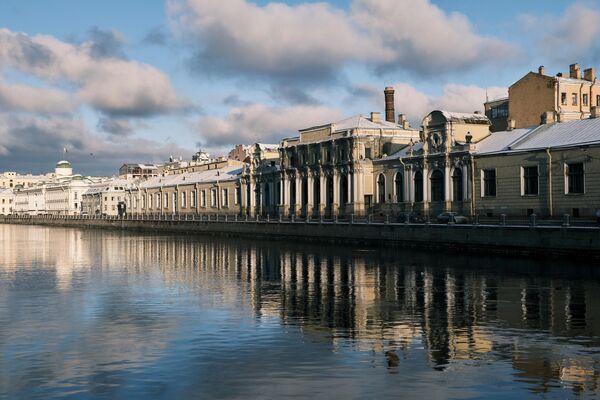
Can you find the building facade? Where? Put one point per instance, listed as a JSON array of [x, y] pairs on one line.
[[7, 198]]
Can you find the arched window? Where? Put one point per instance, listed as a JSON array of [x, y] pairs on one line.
[[418, 186], [437, 185], [398, 183], [381, 188], [457, 185]]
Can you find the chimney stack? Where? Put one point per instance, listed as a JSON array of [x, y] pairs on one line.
[[574, 71], [595, 112], [402, 121], [390, 114], [541, 70], [589, 74], [376, 117]]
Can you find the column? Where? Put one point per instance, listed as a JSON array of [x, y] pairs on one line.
[[447, 183], [466, 186], [298, 207], [350, 178], [310, 195], [407, 182], [323, 192], [336, 192], [426, 195], [251, 198]]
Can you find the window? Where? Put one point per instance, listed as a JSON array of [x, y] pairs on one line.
[[598, 100], [203, 198], [457, 184], [174, 201], [149, 201], [489, 182], [437, 185], [166, 201], [381, 188], [575, 180], [573, 99], [584, 99], [530, 181], [399, 184], [157, 200], [213, 197], [143, 202], [418, 182], [563, 99], [238, 195], [193, 199], [225, 197], [183, 199]]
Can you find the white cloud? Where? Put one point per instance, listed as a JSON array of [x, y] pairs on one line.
[[261, 123], [568, 38], [313, 40], [454, 97], [36, 100], [111, 85]]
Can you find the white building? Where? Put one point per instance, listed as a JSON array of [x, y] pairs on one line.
[[103, 198], [7, 198], [11, 179]]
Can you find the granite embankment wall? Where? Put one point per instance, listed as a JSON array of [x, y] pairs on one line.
[[577, 242]]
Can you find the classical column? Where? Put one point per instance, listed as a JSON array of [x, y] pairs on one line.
[[310, 195], [322, 192], [298, 205], [447, 183], [406, 181], [336, 192], [465, 183], [426, 195], [251, 197]]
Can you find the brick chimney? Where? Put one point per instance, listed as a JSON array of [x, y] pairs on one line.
[[389, 104], [589, 74], [574, 71], [541, 70], [376, 117], [403, 121]]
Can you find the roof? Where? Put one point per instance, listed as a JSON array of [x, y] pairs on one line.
[[469, 118], [63, 164], [557, 134], [227, 173], [358, 122], [402, 153], [6, 192]]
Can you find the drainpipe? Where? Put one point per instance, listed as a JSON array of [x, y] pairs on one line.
[[550, 203], [472, 186]]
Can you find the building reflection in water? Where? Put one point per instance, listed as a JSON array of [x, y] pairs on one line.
[[541, 317]]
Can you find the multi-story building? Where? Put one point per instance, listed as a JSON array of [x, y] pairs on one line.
[[10, 180], [7, 198], [260, 181], [537, 97], [103, 198], [139, 171], [327, 170], [497, 112], [214, 189], [549, 170]]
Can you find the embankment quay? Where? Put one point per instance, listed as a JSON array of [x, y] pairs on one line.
[[580, 242]]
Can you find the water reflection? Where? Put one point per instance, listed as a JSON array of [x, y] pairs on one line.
[[117, 315]]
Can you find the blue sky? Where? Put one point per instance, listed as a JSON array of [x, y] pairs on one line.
[[140, 80]]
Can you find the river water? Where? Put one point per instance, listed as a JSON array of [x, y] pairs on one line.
[[92, 314]]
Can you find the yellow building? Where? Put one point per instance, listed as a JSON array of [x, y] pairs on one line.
[[537, 98]]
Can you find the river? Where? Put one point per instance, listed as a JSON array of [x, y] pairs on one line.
[[99, 314]]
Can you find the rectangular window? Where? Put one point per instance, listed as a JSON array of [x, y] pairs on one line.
[[530, 181], [150, 201], [213, 198], [174, 201], [238, 195], [563, 98], [573, 99], [598, 100], [203, 198], [489, 182], [166, 201], [183, 199], [193, 199], [584, 99], [157, 200], [575, 179], [225, 197], [143, 202]]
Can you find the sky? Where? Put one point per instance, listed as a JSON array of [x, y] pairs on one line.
[[117, 81]]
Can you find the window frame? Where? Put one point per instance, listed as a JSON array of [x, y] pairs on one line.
[[568, 178], [525, 177], [484, 180]]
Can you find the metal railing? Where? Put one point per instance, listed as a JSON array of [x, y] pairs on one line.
[[565, 222]]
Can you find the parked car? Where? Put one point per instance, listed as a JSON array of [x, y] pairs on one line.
[[411, 216], [448, 216]]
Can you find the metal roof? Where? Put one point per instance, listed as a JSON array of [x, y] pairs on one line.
[[228, 173]]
